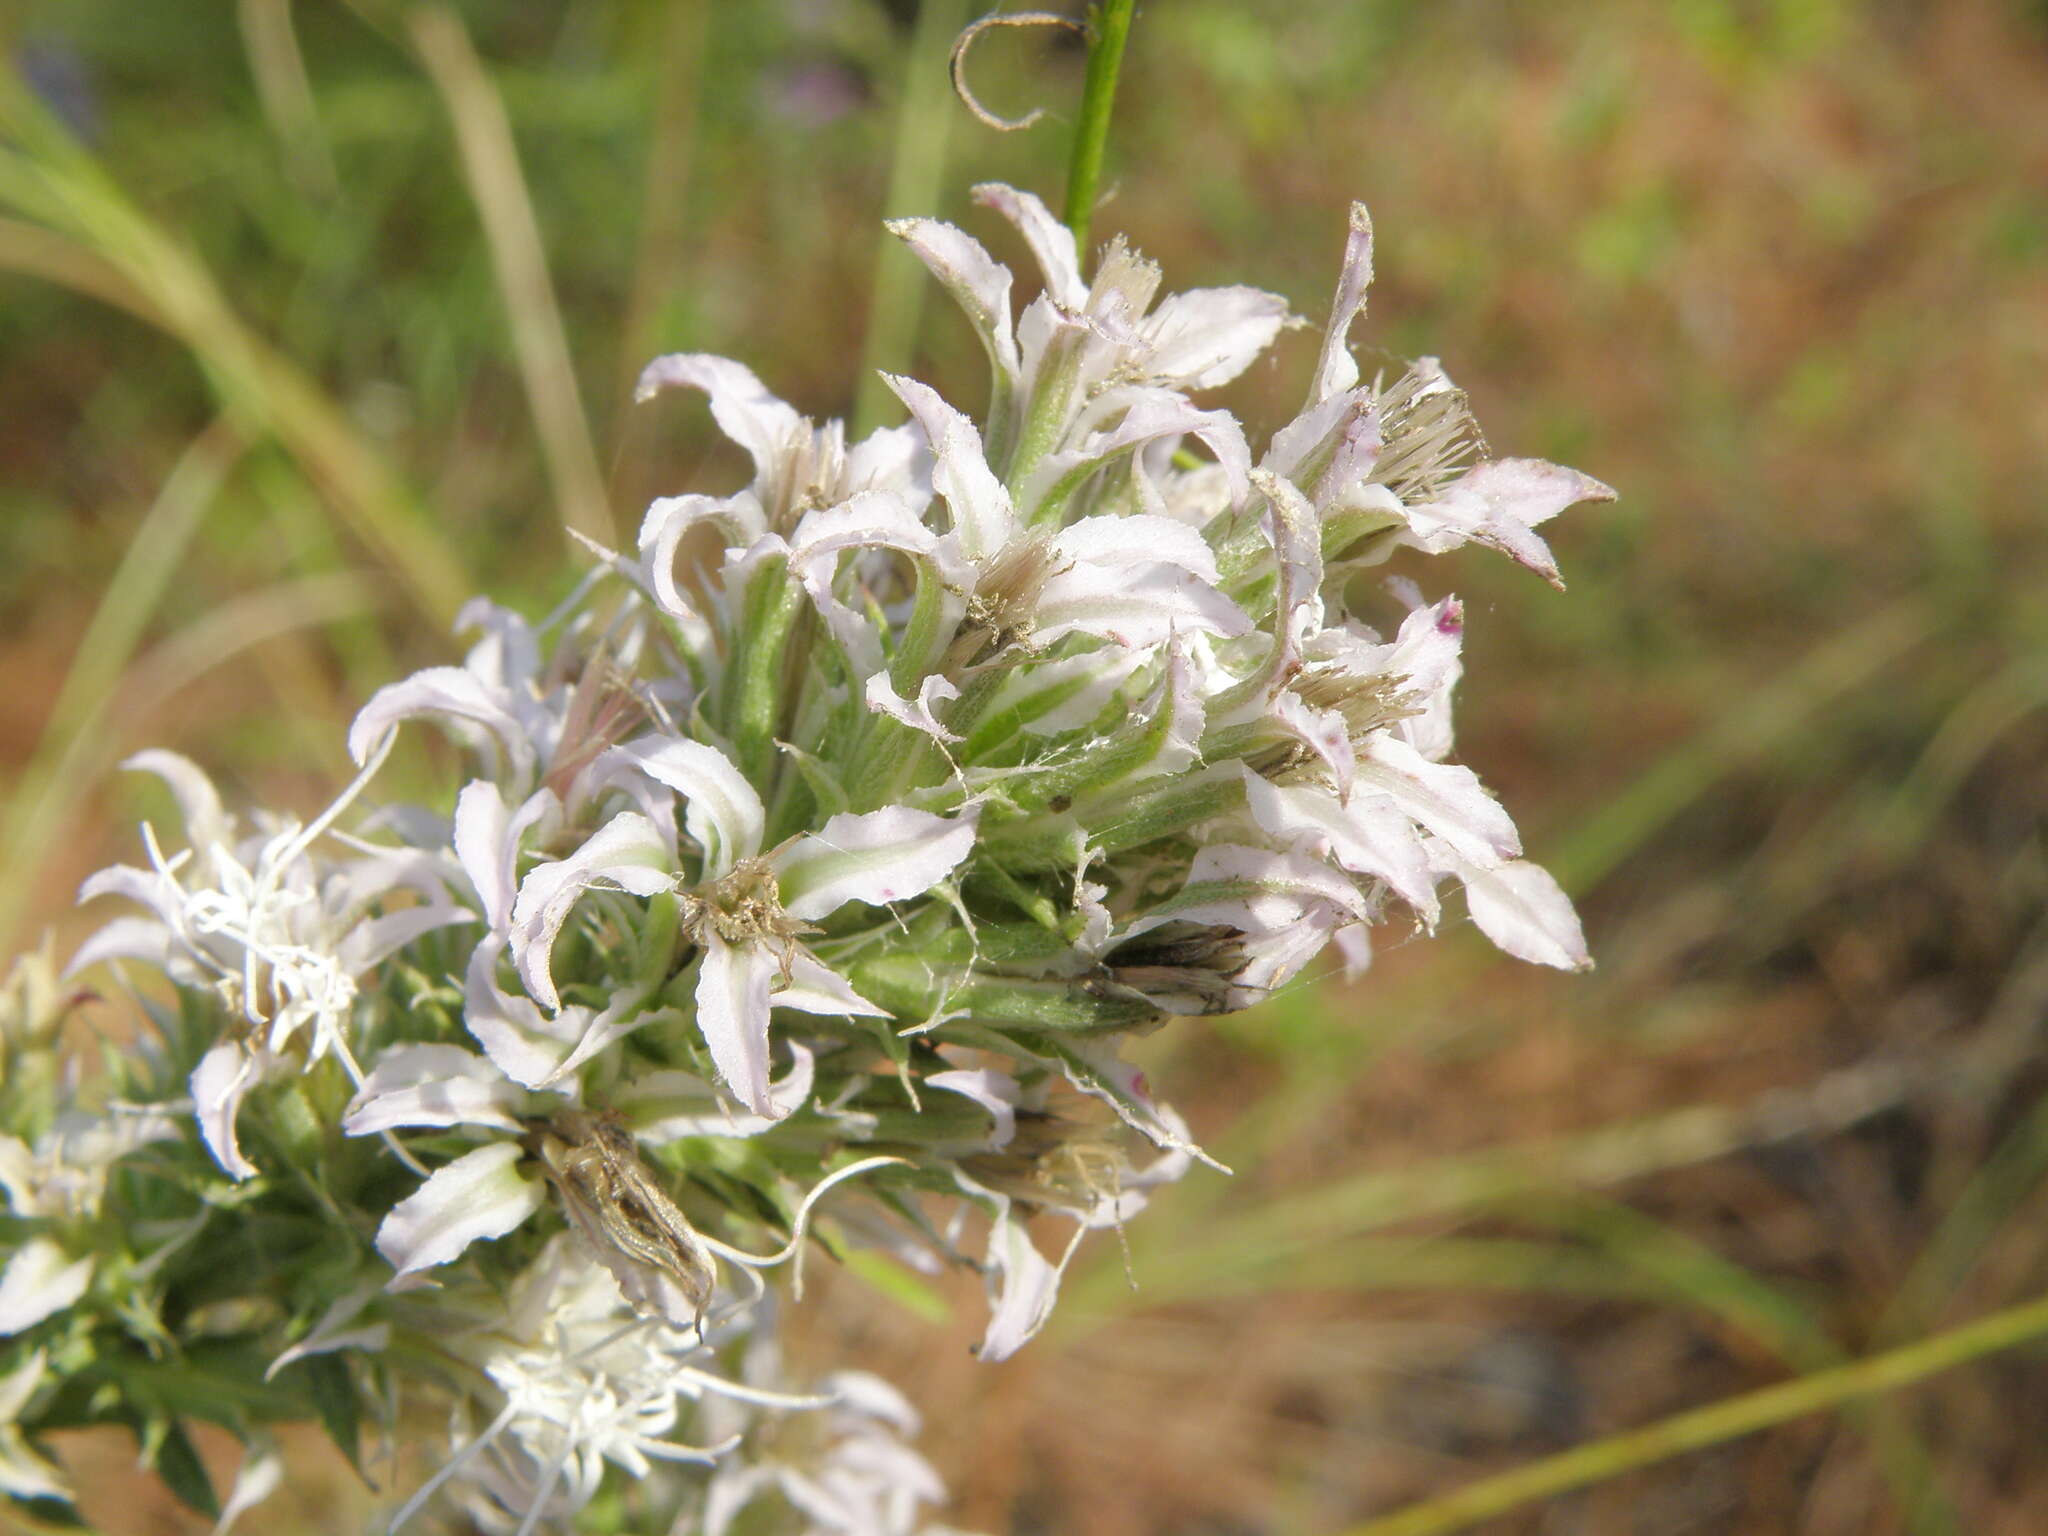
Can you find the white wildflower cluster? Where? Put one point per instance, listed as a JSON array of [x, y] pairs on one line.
[[830, 841]]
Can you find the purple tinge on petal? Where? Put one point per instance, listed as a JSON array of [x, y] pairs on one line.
[[1500, 503], [1367, 834], [479, 1195]]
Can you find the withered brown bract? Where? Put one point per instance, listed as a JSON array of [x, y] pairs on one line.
[[624, 1214]]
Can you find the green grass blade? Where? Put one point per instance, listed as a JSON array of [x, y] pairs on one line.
[[1817, 1392]]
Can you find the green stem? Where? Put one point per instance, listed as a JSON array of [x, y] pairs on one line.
[[1702, 1427], [1110, 25]]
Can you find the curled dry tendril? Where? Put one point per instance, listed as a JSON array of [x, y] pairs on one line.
[[957, 66]]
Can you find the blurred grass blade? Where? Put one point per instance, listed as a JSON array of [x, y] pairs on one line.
[[658, 259], [250, 619], [1999, 1188], [918, 167], [2015, 693], [74, 748], [34, 251], [490, 162], [1454, 1186], [47, 174], [1817, 1392], [1752, 727], [1683, 1266], [286, 94]]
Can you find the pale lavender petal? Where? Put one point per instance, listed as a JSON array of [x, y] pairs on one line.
[[206, 824], [814, 987], [1051, 242], [982, 515], [224, 1075], [871, 520], [526, 1043], [258, 1477], [1443, 798], [740, 404], [376, 939], [1526, 913], [662, 530], [626, 1012], [450, 692], [918, 713], [1026, 1286], [1336, 369], [487, 836], [1147, 415], [880, 857], [1324, 732], [1133, 606], [666, 1106], [1354, 949], [1142, 539], [979, 284], [479, 1195], [1427, 657], [994, 1091], [891, 459], [1498, 503], [1297, 546], [40, 1281], [1135, 581], [875, 1398], [1259, 891], [23, 1473], [124, 938], [432, 1085], [1208, 336], [1369, 835], [732, 1010], [627, 851], [722, 811]]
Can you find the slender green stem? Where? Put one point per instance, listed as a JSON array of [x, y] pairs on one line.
[[1111, 25], [1723, 1421]]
